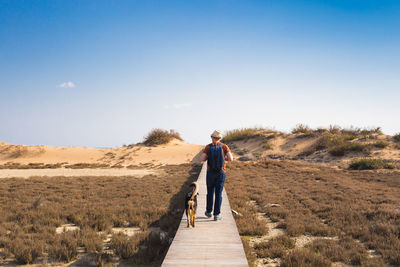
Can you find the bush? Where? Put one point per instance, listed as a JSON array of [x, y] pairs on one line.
[[249, 224], [160, 137], [267, 146], [346, 250], [377, 130], [123, 245], [302, 128], [240, 134], [26, 250], [274, 248], [396, 137], [65, 247], [370, 164], [91, 240], [339, 146], [304, 257], [381, 144]]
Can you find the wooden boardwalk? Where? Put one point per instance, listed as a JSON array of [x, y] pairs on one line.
[[210, 243]]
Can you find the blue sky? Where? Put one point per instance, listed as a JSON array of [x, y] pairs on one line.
[[104, 73]]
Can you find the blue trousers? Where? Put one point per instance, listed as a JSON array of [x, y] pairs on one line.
[[215, 184]]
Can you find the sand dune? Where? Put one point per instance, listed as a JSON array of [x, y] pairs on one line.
[[175, 152], [295, 147], [26, 173]]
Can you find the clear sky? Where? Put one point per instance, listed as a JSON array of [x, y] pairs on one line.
[[104, 73]]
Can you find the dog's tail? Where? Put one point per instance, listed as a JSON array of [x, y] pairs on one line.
[[195, 190]]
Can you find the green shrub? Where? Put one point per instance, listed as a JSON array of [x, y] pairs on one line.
[[267, 146], [301, 128], [396, 137], [338, 146], [160, 137], [334, 129], [381, 144], [352, 131], [240, 134], [365, 131], [349, 137], [370, 164]]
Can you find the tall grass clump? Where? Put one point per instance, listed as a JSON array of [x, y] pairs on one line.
[[240, 134], [274, 248], [26, 250], [65, 247], [304, 258], [370, 164], [396, 137], [126, 247], [160, 137], [381, 144], [345, 250], [339, 145], [303, 129]]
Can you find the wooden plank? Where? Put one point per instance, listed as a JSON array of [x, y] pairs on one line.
[[210, 243]]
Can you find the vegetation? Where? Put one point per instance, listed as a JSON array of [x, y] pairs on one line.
[[396, 137], [317, 202], [160, 137], [81, 165], [15, 165], [245, 133], [370, 164], [32, 209], [302, 257], [275, 248], [381, 144], [340, 146], [344, 250], [303, 130]]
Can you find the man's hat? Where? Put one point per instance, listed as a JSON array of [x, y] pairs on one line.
[[216, 134]]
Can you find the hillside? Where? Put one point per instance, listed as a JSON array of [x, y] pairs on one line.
[[335, 146], [175, 152]]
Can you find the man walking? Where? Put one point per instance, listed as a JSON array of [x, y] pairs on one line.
[[216, 155]]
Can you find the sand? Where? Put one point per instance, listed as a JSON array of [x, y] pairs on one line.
[[26, 173], [175, 152]]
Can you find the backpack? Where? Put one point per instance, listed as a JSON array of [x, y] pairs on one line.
[[216, 157]]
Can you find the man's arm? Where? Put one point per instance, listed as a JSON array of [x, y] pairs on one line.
[[229, 156], [203, 157]]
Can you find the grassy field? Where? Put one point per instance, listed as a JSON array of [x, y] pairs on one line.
[[298, 214], [32, 209]]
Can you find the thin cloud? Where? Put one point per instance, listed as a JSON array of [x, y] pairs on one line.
[[178, 106], [66, 85]]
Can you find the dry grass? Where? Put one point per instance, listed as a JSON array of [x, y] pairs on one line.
[[304, 258], [358, 208], [304, 131], [87, 166], [245, 133], [274, 248], [160, 137], [15, 165], [31, 209], [396, 137], [80, 165], [371, 164]]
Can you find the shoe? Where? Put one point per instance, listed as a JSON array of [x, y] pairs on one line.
[[217, 217], [208, 214]]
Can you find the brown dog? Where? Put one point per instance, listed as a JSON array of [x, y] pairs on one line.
[[191, 204]]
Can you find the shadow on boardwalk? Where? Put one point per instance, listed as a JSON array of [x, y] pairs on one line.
[[154, 247]]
